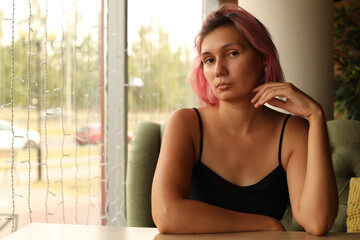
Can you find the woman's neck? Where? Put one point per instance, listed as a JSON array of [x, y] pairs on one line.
[[240, 118]]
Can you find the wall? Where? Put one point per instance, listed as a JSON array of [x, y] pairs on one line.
[[303, 34]]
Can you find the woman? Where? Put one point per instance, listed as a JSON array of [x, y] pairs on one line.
[[233, 164]]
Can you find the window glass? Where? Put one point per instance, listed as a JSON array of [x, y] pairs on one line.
[[49, 91], [160, 46]]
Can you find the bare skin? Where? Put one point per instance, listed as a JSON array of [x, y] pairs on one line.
[[240, 144]]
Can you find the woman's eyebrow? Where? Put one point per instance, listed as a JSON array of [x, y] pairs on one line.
[[223, 47]]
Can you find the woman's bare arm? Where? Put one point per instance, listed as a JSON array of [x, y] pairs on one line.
[[172, 211], [311, 178], [312, 183]]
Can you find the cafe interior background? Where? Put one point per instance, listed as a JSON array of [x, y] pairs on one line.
[[78, 76]]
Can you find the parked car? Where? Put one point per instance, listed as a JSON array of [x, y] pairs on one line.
[[20, 140], [90, 134]]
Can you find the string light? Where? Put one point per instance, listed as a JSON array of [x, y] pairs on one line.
[[88, 128], [28, 115], [62, 115], [46, 94], [152, 102], [12, 118], [75, 119], [46, 116]]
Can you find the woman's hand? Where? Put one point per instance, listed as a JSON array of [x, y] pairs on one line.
[[296, 101]]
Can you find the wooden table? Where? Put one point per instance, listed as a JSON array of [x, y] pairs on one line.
[[42, 231]]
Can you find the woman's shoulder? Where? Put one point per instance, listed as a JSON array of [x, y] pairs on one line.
[[295, 128], [183, 115], [298, 126], [190, 114], [183, 119], [295, 131], [295, 134], [183, 127], [293, 123]]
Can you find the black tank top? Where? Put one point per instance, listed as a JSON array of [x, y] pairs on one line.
[[268, 197]]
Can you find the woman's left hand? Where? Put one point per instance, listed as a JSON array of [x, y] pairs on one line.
[[296, 101]]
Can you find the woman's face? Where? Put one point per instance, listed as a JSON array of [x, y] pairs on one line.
[[231, 66]]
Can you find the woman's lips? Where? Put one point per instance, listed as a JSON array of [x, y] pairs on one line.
[[223, 86]]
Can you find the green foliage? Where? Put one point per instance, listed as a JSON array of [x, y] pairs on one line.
[[347, 57], [86, 69], [163, 71]]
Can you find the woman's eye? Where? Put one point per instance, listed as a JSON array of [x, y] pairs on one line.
[[233, 53], [209, 60]]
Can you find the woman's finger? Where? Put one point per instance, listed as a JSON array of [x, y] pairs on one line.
[[269, 85], [297, 102], [266, 87], [274, 92], [267, 93], [275, 102]]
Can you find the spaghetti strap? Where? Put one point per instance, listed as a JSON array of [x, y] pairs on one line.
[[281, 136], [201, 133]]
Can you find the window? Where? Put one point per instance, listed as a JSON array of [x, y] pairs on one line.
[[50, 90], [160, 52], [59, 73]]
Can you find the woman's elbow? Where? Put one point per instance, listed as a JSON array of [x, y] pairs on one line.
[[162, 228], [318, 222], [162, 218], [162, 225], [317, 229], [319, 226]]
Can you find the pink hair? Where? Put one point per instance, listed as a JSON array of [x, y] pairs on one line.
[[252, 30]]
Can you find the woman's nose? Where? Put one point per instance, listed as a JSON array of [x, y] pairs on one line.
[[220, 68]]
